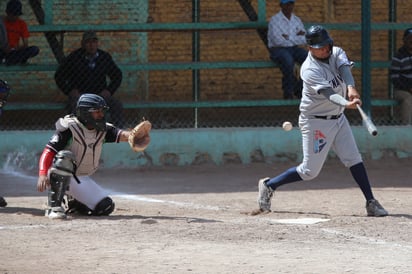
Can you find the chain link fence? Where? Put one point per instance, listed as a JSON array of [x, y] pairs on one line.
[[36, 101]]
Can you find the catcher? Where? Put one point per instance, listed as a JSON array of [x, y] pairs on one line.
[[72, 155]]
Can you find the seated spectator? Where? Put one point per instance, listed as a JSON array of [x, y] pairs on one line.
[[15, 50], [85, 71], [286, 38], [401, 76]]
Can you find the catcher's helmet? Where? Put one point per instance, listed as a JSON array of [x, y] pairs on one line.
[[4, 93], [318, 37], [88, 103]]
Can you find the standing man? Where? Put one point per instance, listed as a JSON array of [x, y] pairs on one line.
[[327, 82], [85, 71], [401, 76], [16, 49], [286, 38]]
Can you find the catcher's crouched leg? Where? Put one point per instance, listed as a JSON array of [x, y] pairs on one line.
[[60, 175], [58, 186], [104, 208]]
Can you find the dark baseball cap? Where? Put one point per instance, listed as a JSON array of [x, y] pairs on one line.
[[14, 7], [88, 35], [407, 32]]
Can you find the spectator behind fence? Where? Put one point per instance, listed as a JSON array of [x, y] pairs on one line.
[[15, 50], [286, 38], [401, 76], [85, 71]]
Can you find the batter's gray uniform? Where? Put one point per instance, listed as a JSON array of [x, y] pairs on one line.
[[332, 130], [326, 77]]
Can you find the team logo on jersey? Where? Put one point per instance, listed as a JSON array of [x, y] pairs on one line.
[[319, 141], [335, 82]]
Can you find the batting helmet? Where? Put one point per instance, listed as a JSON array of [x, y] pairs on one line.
[[87, 104], [318, 37], [4, 93]]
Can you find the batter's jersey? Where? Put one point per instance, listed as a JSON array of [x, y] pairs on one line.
[[317, 75], [85, 144]]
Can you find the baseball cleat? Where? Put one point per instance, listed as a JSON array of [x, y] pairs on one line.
[[374, 208], [3, 202], [265, 195], [56, 213]]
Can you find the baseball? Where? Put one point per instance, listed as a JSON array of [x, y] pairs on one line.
[[287, 125]]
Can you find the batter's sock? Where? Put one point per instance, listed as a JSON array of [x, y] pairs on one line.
[[289, 176], [361, 177]]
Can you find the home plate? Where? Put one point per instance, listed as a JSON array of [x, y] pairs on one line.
[[300, 221]]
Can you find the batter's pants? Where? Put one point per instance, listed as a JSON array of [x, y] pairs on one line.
[[319, 136]]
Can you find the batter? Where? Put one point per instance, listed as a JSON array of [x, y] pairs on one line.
[[327, 82]]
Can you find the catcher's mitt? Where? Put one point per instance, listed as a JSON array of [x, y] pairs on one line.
[[139, 137]]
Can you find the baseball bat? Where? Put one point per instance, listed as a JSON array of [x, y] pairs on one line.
[[367, 122]]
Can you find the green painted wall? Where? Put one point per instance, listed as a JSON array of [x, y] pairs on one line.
[[21, 149]]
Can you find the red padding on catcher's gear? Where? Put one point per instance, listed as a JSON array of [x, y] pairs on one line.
[[46, 160]]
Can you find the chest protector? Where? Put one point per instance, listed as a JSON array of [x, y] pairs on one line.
[[86, 144]]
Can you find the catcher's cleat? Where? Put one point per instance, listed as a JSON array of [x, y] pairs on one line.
[[56, 213], [3, 202], [265, 195], [374, 208]]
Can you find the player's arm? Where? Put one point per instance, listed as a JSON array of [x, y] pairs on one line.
[[338, 99], [334, 97], [45, 163], [116, 135], [58, 142], [346, 73]]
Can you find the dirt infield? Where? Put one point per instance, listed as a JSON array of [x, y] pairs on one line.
[[192, 220]]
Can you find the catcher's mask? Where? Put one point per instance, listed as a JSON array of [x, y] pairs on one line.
[[4, 93], [87, 104], [317, 37]]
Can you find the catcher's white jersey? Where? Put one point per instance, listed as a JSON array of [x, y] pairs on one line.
[[317, 75], [86, 144]]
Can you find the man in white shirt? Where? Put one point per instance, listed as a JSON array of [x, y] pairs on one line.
[[286, 41]]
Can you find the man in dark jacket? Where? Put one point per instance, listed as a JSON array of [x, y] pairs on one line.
[[85, 70]]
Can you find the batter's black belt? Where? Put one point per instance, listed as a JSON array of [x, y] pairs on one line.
[[328, 117]]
